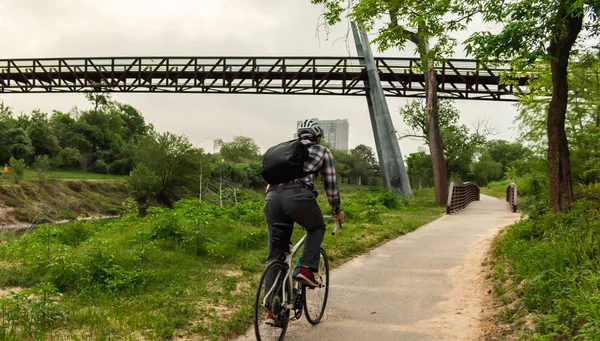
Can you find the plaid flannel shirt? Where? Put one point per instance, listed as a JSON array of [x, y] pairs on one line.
[[320, 160]]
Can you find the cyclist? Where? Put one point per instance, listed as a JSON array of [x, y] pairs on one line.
[[295, 201]]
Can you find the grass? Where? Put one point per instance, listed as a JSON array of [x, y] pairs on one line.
[[532, 192], [32, 201], [496, 189], [190, 271], [75, 174], [547, 273]]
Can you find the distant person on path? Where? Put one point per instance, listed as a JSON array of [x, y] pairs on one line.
[[291, 198], [5, 174]]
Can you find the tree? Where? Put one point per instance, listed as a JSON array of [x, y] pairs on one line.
[[7, 122], [505, 153], [459, 144], [99, 167], [63, 126], [582, 124], [124, 159], [143, 183], [365, 154], [68, 157], [99, 100], [420, 22], [344, 164], [253, 177], [101, 138], [134, 124], [460, 148], [42, 135], [414, 114], [173, 160], [534, 31], [366, 164], [19, 144], [239, 150], [238, 175], [486, 170], [358, 166], [325, 144], [420, 170]]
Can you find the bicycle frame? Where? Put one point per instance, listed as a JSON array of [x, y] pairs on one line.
[[290, 271]]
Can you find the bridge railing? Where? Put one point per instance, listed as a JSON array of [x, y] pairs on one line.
[[511, 196], [461, 195], [457, 78], [232, 64]]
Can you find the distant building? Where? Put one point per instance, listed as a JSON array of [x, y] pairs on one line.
[[336, 132]]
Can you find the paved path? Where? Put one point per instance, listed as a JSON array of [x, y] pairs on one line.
[[426, 285]]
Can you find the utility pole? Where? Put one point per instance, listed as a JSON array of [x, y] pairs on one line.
[[221, 185], [201, 155], [388, 150], [200, 195], [220, 189]]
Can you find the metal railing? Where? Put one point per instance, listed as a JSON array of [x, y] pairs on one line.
[[511, 196], [460, 195]]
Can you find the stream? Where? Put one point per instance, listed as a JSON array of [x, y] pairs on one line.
[[23, 228]]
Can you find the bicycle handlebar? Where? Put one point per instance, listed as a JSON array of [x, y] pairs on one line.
[[338, 224]]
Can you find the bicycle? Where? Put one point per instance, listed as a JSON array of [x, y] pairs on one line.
[[292, 297]]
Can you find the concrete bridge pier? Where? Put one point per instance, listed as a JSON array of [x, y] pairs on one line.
[[390, 158]]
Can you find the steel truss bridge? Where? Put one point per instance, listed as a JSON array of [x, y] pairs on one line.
[[400, 77]]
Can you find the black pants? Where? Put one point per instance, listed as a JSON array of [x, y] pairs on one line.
[[283, 207]]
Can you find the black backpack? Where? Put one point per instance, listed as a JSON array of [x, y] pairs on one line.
[[284, 162]]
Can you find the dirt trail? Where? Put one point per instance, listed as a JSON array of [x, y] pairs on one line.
[[427, 285]]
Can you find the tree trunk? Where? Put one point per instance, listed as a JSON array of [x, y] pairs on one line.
[[436, 149], [561, 189]]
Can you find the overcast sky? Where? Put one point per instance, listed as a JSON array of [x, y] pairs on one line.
[[86, 28]]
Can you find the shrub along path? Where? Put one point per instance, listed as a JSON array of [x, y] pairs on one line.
[[189, 272], [426, 285]]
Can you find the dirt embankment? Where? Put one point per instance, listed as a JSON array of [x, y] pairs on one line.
[[33, 202]]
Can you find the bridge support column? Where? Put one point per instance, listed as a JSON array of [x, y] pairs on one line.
[[390, 158]]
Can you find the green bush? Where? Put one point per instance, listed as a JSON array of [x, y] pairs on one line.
[[42, 164], [16, 169], [143, 182], [100, 167], [75, 233], [389, 200], [67, 158], [102, 271], [30, 313], [558, 256], [373, 216], [250, 212], [392, 201], [165, 225], [65, 271], [251, 238]]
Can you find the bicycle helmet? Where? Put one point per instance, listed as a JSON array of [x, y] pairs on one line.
[[310, 128]]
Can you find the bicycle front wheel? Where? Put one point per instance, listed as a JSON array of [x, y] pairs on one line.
[[269, 298], [315, 299]]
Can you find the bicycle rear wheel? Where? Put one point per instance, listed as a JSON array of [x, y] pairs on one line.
[[315, 299], [271, 299]]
